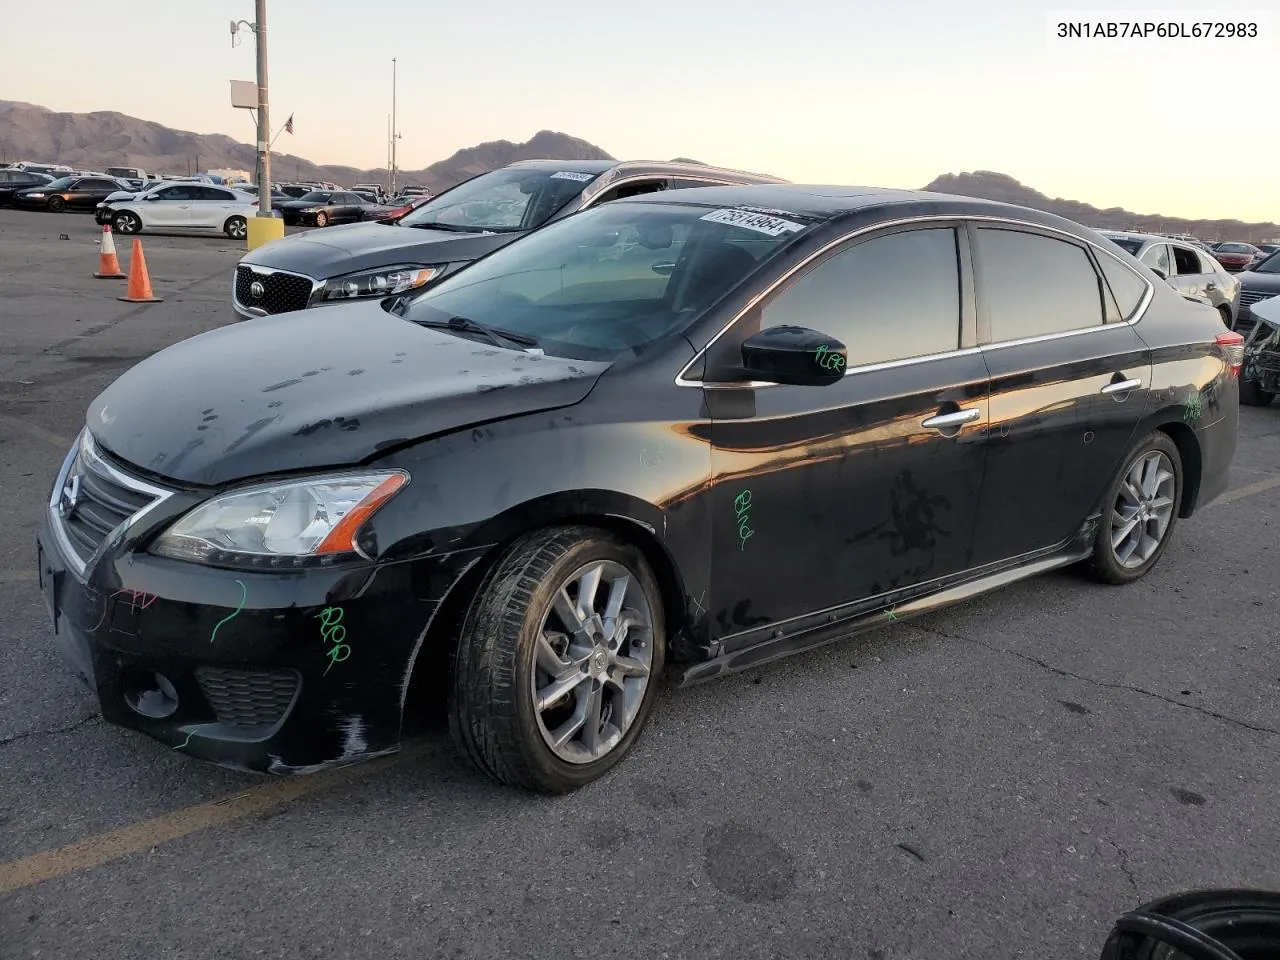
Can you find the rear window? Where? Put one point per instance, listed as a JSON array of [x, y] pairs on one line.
[[613, 280], [1127, 244]]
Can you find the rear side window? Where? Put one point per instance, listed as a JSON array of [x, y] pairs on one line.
[[1033, 286], [888, 298], [1186, 261], [1126, 286]]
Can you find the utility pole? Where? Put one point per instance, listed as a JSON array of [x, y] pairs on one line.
[[264, 122], [395, 134]]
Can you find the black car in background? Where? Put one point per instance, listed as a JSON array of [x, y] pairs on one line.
[[69, 193], [319, 208], [701, 429], [449, 231], [13, 181], [1259, 282]]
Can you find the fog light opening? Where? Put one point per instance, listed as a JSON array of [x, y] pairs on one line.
[[150, 694]]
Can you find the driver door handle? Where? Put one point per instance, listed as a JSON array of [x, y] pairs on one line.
[[944, 421], [1124, 386]]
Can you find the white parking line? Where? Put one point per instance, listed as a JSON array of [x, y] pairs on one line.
[[1249, 490]]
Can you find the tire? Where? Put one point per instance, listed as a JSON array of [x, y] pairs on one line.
[[126, 222], [322, 219], [1121, 565], [1251, 395], [497, 671], [237, 228], [56, 204], [1226, 317]]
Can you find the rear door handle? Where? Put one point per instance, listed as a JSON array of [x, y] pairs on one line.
[[945, 420], [1124, 386]]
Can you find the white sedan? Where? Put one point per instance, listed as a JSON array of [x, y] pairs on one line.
[[181, 206]]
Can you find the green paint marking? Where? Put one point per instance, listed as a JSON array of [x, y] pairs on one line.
[[892, 617], [244, 595]]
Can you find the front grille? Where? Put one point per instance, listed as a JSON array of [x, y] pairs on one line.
[[94, 501], [1253, 296], [248, 698], [281, 292]]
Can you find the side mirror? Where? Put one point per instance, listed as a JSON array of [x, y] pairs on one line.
[[153, 196], [794, 355]]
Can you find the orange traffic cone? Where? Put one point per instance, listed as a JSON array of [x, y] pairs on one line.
[[108, 262], [139, 280]]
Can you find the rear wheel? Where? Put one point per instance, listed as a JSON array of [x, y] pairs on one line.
[[322, 219], [126, 222], [1140, 512], [557, 663], [237, 228], [56, 204], [1226, 317]]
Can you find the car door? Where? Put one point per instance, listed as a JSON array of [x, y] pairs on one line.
[[828, 495], [210, 208], [168, 208], [348, 207], [1069, 383]]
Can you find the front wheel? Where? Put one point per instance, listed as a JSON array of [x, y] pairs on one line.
[[1252, 395], [558, 659], [1140, 512], [322, 219], [237, 228], [56, 204], [126, 222]]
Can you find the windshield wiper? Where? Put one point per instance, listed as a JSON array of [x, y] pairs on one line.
[[447, 227], [500, 338]]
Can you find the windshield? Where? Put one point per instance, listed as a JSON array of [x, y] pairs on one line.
[[316, 196], [1233, 248], [60, 184], [1128, 244], [504, 200], [1269, 265], [610, 281]]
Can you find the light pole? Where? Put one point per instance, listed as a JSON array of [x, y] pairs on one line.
[[395, 133], [264, 122]]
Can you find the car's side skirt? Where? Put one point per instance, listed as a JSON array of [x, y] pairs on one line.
[[774, 641]]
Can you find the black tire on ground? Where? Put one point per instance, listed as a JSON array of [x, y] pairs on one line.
[[126, 222], [56, 204], [491, 712], [1103, 565], [1251, 395], [236, 228], [1226, 317]]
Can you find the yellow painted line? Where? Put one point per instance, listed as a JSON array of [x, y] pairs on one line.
[[38, 432], [115, 844], [1249, 490]]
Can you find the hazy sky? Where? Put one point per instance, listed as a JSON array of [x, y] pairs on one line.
[[887, 94]]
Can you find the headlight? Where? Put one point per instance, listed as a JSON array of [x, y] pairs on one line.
[[36, 196], [379, 283], [286, 525]]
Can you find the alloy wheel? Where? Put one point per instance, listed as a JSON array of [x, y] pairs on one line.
[[592, 662], [1143, 508]]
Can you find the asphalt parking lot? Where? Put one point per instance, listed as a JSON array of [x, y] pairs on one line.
[[999, 780]]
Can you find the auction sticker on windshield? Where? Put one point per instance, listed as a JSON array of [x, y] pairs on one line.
[[759, 222], [571, 175]]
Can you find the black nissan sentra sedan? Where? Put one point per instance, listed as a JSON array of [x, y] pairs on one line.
[[693, 431]]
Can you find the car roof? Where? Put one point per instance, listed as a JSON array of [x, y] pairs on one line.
[[825, 202], [620, 168]]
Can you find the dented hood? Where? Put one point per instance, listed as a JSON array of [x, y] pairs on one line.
[[317, 388]]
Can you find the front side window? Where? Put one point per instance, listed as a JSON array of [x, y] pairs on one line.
[[1033, 285], [503, 200], [888, 298], [609, 281]]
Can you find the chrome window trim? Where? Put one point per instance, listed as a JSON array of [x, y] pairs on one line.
[[1138, 313], [84, 445], [316, 287]]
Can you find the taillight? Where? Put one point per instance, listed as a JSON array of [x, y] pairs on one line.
[[1232, 346]]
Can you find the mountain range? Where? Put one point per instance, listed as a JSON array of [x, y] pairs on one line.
[[101, 139]]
